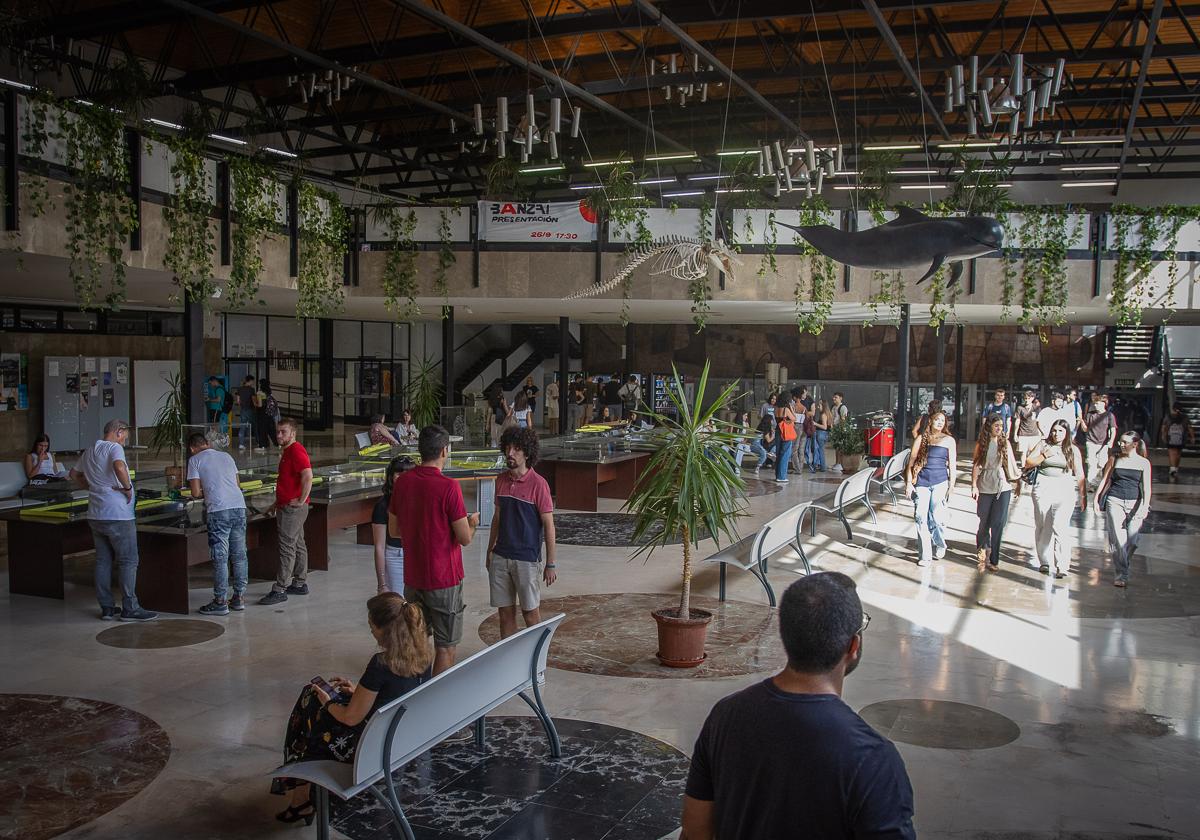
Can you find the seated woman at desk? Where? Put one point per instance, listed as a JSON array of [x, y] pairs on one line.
[[406, 430], [639, 423], [380, 433], [325, 727], [41, 463]]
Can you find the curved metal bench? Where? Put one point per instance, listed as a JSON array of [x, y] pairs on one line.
[[893, 468], [751, 553], [853, 489]]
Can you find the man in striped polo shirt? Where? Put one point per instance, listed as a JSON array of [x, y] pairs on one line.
[[524, 519]]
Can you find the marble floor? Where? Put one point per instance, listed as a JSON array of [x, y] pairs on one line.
[[1024, 707]]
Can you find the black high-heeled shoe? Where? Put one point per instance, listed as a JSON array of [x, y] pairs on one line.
[[295, 813]]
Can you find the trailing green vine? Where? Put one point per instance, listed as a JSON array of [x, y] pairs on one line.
[[446, 258], [1135, 259], [814, 303], [100, 215], [1008, 268], [698, 289], [35, 137], [189, 253], [254, 214], [770, 243], [322, 245], [399, 280]]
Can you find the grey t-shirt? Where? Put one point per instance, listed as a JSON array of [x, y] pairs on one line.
[[218, 478], [105, 501]]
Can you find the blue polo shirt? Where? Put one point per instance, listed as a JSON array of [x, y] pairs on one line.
[[520, 503]]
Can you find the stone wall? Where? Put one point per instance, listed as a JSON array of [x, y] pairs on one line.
[[997, 355]]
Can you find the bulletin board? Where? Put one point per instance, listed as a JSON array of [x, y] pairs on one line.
[[150, 388]]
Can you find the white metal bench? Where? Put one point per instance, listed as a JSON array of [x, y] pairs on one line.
[[851, 490], [893, 468], [751, 553], [410, 725]]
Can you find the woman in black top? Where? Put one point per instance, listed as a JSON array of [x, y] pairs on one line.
[[1124, 498], [328, 728], [389, 551]]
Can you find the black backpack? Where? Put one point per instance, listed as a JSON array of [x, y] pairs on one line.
[[227, 402]]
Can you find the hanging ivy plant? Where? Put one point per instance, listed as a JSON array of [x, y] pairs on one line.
[[877, 177], [698, 288], [99, 212], [1008, 268], [254, 215], [322, 244], [1052, 265], [814, 303], [1135, 260], [399, 280], [446, 258], [503, 181], [189, 253], [1174, 218], [622, 201], [770, 243], [35, 137]]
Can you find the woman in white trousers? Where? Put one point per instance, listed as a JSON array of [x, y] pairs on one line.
[[1124, 501], [1060, 487]]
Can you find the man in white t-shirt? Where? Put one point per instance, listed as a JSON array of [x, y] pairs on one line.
[[103, 471], [213, 476], [839, 409], [1057, 410]]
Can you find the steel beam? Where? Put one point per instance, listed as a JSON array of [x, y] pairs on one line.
[[459, 28], [1147, 52], [914, 78]]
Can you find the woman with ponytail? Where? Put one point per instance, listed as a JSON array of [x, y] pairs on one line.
[[326, 725]]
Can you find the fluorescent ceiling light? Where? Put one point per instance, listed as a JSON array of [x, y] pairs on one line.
[[706, 177], [596, 163], [164, 123], [974, 186], [280, 152], [738, 152], [585, 186], [649, 181], [897, 147], [976, 172], [679, 156], [225, 139], [17, 85], [553, 167], [1092, 141], [1090, 184], [1092, 167], [682, 194], [737, 190], [970, 144], [923, 186], [849, 172], [916, 171], [845, 187]]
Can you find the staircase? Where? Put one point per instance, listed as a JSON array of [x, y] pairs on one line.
[[1185, 377], [543, 339], [1132, 344]]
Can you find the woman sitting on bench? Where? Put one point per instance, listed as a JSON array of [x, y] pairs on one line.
[[329, 717]]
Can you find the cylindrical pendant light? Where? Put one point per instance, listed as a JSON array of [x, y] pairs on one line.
[[949, 106], [1030, 107], [1014, 124], [555, 115], [552, 138], [477, 113], [1017, 78], [972, 128], [956, 74], [576, 119], [767, 167], [985, 107], [502, 113], [500, 150], [973, 77], [810, 151], [1060, 68], [778, 150]]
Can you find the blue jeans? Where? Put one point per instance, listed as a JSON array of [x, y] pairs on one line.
[[245, 430], [816, 455], [783, 454], [226, 542], [760, 451], [930, 506], [116, 539]]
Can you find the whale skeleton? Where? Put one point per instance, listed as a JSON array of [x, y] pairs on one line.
[[680, 257]]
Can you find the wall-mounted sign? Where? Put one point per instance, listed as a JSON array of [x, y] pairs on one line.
[[536, 221]]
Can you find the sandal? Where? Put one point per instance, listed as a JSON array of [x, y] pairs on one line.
[[1044, 569], [295, 813], [1120, 584], [1059, 575]]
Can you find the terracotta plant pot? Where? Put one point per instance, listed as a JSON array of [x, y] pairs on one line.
[[851, 463], [174, 477], [681, 640]]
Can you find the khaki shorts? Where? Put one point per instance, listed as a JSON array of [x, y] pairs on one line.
[[516, 580], [443, 609]]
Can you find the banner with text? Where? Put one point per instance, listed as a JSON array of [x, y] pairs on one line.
[[536, 221]]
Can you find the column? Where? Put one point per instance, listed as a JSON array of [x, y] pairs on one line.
[[195, 377], [324, 419], [939, 369], [448, 356], [958, 374], [564, 370], [902, 364]]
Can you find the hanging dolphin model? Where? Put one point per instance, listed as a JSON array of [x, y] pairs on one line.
[[911, 240]]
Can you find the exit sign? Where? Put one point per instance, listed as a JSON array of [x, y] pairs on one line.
[[1123, 382]]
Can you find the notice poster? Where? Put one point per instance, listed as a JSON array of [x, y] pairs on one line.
[[103, 365], [536, 221], [109, 402], [89, 365], [122, 373], [73, 384], [52, 368]]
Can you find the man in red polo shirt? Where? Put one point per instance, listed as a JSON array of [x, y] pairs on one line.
[[428, 513], [524, 519], [291, 510]]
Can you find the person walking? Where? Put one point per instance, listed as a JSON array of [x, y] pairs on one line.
[[103, 471], [212, 475], [1176, 431], [631, 394], [214, 399], [1100, 433], [785, 439], [611, 396], [522, 413], [291, 512], [1058, 490], [994, 473], [523, 521], [1057, 410], [389, 550], [1025, 432], [1000, 407], [822, 421], [552, 406], [246, 396], [579, 403], [531, 394], [929, 481], [922, 423], [800, 449], [786, 757], [1124, 500], [430, 517]]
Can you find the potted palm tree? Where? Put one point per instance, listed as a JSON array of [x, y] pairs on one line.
[[424, 393], [690, 489], [168, 429]]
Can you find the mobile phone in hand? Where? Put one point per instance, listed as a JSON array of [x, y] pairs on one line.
[[320, 683]]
